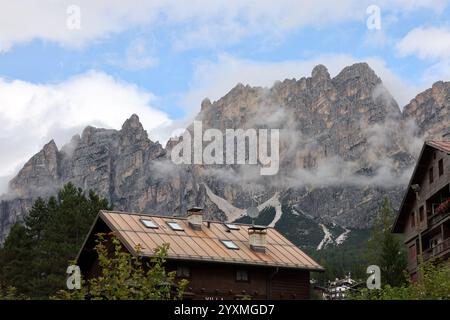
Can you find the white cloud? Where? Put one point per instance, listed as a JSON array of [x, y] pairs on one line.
[[139, 55], [213, 79], [197, 22], [433, 44], [32, 114], [25, 20], [438, 71], [426, 43]]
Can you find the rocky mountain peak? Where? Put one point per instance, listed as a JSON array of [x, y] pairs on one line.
[[87, 134], [42, 168], [76, 138], [320, 74], [50, 148], [430, 110], [360, 71], [133, 130], [206, 104], [132, 123], [239, 91]]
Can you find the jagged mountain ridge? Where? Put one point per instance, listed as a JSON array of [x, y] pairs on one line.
[[349, 124]]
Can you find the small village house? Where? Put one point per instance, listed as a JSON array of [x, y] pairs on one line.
[[340, 288], [220, 260], [424, 215]]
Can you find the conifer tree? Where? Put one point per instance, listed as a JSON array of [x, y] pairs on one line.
[[385, 249], [16, 259], [36, 253]]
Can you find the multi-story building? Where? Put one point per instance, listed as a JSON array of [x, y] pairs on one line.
[[339, 288], [424, 215]]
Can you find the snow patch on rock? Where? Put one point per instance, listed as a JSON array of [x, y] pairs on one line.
[[342, 237], [232, 213], [327, 239], [275, 203]]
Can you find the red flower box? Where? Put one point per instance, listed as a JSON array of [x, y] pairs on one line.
[[443, 207]]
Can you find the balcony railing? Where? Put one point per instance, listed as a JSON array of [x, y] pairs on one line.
[[437, 217], [437, 250]]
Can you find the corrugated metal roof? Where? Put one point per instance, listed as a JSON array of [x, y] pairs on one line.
[[204, 244], [442, 145]]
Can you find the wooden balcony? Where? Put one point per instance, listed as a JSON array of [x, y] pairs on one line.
[[437, 251], [435, 219]]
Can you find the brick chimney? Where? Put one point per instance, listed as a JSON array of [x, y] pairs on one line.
[[195, 218], [257, 237]]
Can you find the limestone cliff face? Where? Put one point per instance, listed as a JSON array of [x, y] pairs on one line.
[[343, 146], [41, 171], [349, 123], [431, 110]]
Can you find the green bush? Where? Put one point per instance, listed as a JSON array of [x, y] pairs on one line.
[[126, 277], [433, 284]]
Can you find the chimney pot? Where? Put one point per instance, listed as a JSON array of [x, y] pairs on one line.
[[195, 218], [258, 238]]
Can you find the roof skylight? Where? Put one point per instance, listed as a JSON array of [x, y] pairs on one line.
[[149, 224], [231, 226], [175, 226], [230, 244]]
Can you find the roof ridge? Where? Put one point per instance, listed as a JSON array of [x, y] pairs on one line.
[[180, 218]]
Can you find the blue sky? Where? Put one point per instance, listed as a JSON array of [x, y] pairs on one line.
[[64, 67]]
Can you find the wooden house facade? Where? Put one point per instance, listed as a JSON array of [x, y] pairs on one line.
[[220, 260], [424, 215]]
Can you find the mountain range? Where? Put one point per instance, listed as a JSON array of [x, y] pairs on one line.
[[344, 144]]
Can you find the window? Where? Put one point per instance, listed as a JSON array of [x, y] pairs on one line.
[[412, 252], [434, 206], [413, 220], [441, 167], [175, 226], [149, 224], [230, 244], [433, 242], [241, 275], [232, 226], [431, 175], [421, 213], [183, 272]]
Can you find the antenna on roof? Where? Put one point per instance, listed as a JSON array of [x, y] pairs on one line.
[[253, 213]]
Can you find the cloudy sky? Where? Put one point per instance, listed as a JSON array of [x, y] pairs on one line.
[[68, 64]]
